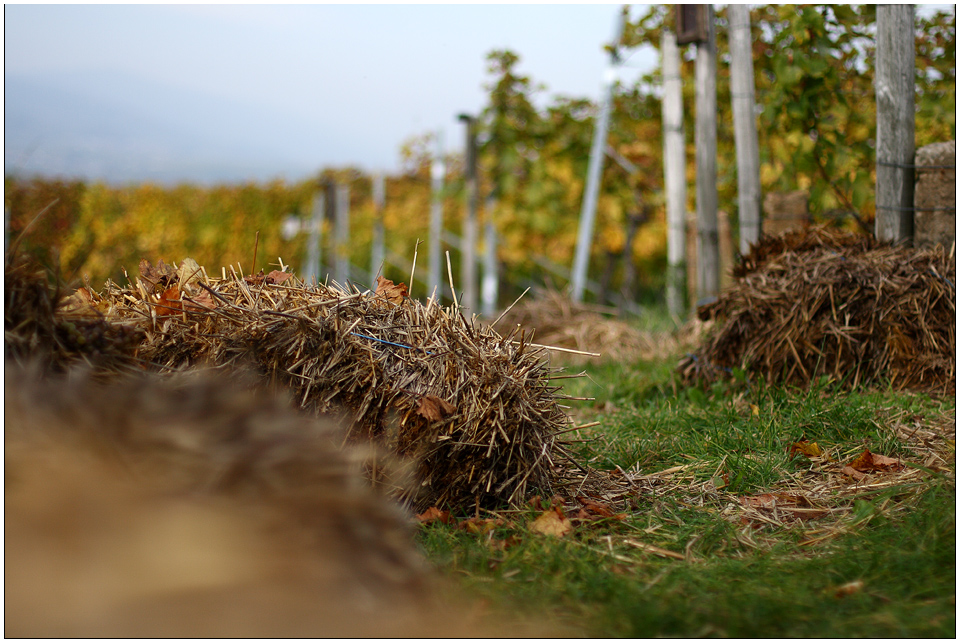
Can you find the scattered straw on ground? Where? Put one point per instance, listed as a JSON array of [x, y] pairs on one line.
[[827, 302], [558, 321]]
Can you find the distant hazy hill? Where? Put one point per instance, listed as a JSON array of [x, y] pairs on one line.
[[121, 129]]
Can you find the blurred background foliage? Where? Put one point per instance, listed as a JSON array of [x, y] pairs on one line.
[[814, 70]]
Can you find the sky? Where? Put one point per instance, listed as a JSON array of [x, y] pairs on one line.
[[235, 92]]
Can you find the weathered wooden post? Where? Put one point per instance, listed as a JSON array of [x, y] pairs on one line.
[[745, 125], [377, 251], [708, 254], [894, 84], [588, 210], [312, 270], [490, 285], [468, 270], [437, 171], [341, 238], [674, 173]]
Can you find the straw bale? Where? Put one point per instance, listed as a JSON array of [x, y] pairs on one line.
[[830, 303], [563, 323], [40, 326], [198, 506], [473, 411]]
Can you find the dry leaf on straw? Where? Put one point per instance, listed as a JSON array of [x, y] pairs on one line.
[[201, 302], [189, 273], [552, 522], [276, 277], [160, 275], [393, 293], [169, 302], [869, 462], [434, 409]]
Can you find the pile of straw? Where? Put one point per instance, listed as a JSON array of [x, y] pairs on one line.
[[586, 328], [829, 303], [472, 411]]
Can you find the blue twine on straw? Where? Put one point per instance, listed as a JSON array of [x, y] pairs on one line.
[[935, 274], [383, 341]]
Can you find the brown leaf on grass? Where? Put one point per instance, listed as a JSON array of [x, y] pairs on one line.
[[869, 462], [434, 409], [848, 589], [169, 303], [593, 510], [434, 514], [393, 293], [809, 449], [256, 279], [480, 525], [552, 522], [502, 545]]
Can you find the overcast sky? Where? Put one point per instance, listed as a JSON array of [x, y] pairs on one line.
[[273, 90], [174, 92]]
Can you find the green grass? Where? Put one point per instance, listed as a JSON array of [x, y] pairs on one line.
[[725, 575]]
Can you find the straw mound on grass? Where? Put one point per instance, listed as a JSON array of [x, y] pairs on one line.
[[472, 411], [558, 321], [827, 302]]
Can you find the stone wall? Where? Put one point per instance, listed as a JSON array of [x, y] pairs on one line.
[[935, 196]]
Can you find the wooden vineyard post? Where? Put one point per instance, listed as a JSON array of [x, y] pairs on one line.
[[489, 287], [894, 84], [674, 174], [437, 172], [312, 271], [468, 255], [745, 125], [341, 238], [708, 256], [377, 252]]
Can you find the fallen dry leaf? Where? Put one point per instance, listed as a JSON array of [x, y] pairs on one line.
[[502, 545], [853, 473], [809, 449], [200, 302], [848, 589], [169, 303], [189, 273], [434, 409], [433, 514], [159, 276], [80, 301], [393, 293], [593, 510], [869, 462], [480, 525], [552, 522], [277, 277]]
